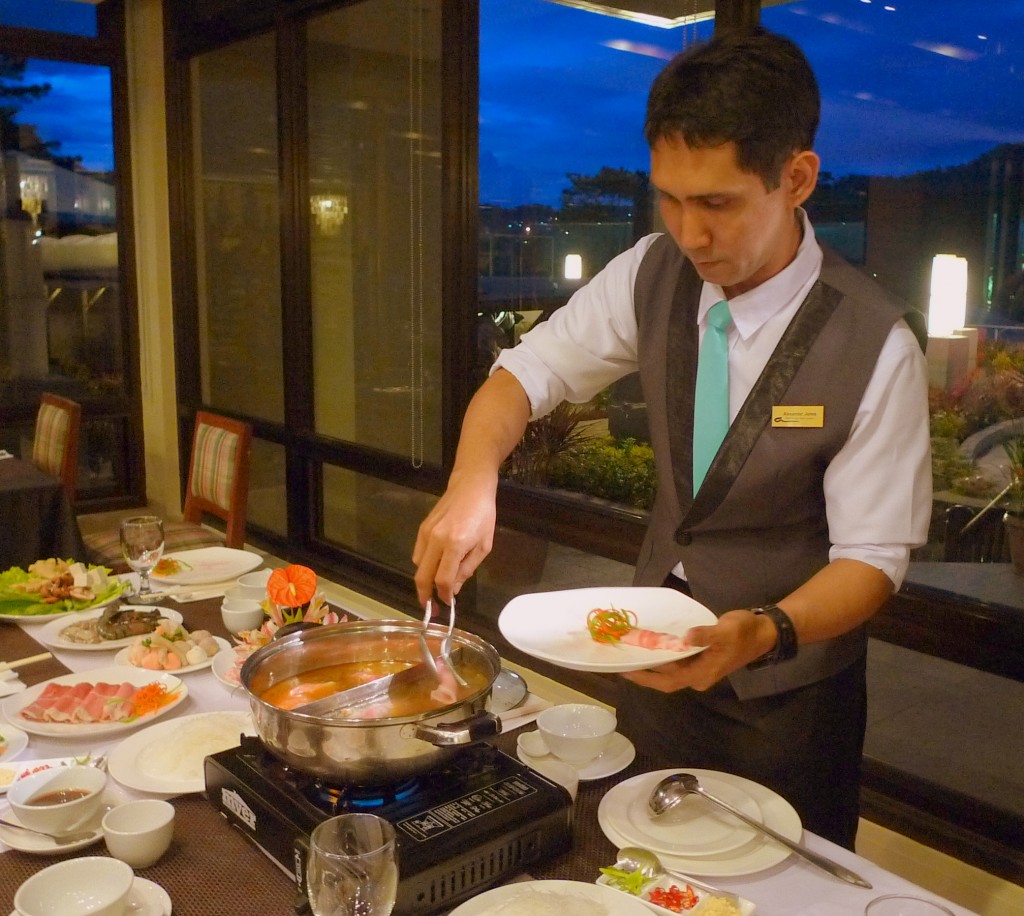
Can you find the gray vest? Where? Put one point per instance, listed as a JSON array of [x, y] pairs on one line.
[[757, 528]]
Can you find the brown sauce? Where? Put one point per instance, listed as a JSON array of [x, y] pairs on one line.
[[58, 797], [405, 700]]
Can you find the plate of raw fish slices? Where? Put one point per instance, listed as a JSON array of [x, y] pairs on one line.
[[607, 630], [95, 703]]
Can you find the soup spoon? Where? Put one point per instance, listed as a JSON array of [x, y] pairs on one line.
[[633, 858], [62, 840]]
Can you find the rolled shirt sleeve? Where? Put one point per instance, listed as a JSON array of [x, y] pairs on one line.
[[878, 488], [584, 346]]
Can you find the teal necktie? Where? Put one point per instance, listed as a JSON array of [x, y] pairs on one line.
[[711, 399]]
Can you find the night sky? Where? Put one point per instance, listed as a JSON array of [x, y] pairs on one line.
[[906, 84]]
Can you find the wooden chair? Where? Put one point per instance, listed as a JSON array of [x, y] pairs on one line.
[[218, 485], [55, 442], [983, 542]]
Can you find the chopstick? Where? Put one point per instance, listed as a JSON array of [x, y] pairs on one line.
[[27, 660]]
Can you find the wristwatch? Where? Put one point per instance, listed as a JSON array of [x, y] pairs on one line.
[[785, 637]]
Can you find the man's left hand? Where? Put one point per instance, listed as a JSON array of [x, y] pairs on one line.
[[736, 640]]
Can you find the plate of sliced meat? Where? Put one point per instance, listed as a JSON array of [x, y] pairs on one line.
[[95, 703], [606, 630]]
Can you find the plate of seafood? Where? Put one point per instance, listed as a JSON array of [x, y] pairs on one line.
[[607, 630], [104, 629], [55, 587]]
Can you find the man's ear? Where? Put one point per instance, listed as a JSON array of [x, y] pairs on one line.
[[800, 176]]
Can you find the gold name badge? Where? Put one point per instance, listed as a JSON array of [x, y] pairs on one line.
[[799, 417]]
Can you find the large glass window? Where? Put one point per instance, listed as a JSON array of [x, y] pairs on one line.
[[71, 16], [375, 237], [237, 228], [61, 303]]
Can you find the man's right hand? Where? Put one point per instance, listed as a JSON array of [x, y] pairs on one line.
[[456, 536], [459, 532]]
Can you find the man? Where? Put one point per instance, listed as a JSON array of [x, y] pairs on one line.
[[803, 524]]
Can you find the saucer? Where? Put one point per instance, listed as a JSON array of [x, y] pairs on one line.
[[617, 756], [146, 898], [43, 846]]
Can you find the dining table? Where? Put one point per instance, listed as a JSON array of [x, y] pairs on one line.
[[38, 519], [211, 868]]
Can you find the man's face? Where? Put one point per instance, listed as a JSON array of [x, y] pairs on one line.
[[736, 232]]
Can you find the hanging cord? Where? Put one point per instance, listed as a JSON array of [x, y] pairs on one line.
[[416, 158]]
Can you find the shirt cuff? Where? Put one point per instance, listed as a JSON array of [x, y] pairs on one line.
[[892, 559]]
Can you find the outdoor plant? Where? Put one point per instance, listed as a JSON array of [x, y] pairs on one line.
[[545, 439], [621, 471]]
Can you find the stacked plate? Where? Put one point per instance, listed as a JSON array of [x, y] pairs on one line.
[[695, 837]]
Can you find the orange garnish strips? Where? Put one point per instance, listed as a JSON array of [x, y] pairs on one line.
[[147, 699], [292, 586], [610, 624]]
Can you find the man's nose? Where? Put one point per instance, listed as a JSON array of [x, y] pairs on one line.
[[693, 231]]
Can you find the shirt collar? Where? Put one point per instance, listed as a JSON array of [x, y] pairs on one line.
[[752, 309]]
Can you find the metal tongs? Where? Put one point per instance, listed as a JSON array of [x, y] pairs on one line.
[[446, 646]]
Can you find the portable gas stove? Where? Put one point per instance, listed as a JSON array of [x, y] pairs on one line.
[[461, 827]]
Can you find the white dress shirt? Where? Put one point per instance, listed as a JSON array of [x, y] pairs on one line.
[[878, 488]]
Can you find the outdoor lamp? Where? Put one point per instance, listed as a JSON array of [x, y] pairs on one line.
[[574, 267], [947, 307]]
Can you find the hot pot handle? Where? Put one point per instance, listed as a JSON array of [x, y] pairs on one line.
[[477, 727]]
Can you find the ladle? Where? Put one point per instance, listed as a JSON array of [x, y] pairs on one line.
[[633, 858], [673, 789]]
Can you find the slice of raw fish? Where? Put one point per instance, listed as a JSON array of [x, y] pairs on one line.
[[652, 639]]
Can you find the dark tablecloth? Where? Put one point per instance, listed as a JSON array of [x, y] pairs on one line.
[[36, 517]]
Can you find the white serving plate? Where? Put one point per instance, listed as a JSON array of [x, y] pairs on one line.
[[50, 634], [209, 564], [552, 626], [116, 674], [122, 658]]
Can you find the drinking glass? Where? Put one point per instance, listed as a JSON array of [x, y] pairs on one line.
[[142, 542], [905, 905], [353, 866]]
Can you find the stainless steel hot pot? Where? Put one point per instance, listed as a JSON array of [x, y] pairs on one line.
[[366, 751]]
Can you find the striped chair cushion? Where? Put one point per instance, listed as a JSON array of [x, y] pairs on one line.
[[213, 472], [51, 437], [104, 547]]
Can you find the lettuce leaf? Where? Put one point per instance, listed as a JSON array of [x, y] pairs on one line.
[[20, 604]]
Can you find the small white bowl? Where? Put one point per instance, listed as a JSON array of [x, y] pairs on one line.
[[89, 886], [237, 618], [139, 832], [58, 817], [254, 584], [576, 732]]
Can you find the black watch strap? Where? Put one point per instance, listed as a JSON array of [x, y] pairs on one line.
[[785, 637]]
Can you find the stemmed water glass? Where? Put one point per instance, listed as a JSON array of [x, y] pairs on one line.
[[353, 866], [142, 543]]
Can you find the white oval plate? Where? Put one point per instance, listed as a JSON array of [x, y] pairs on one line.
[[552, 626], [127, 765], [223, 663], [755, 856], [13, 743], [113, 795], [50, 634], [209, 564], [616, 757], [122, 658], [116, 674], [614, 901]]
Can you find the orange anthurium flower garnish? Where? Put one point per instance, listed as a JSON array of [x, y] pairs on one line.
[[292, 586]]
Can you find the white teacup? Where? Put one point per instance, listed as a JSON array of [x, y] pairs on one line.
[[254, 584], [139, 832], [239, 617], [576, 732], [58, 801], [89, 886]]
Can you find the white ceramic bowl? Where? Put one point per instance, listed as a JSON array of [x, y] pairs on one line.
[[59, 817], [89, 886], [576, 732], [139, 832], [239, 618], [254, 584]]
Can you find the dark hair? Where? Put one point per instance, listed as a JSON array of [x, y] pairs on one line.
[[751, 87]]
